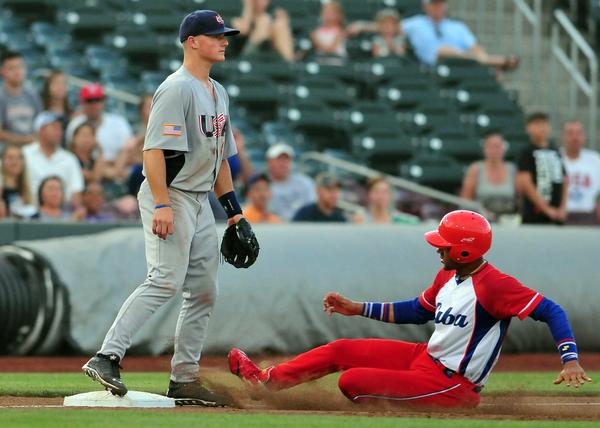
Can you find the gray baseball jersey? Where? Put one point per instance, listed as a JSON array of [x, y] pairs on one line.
[[185, 118], [193, 129]]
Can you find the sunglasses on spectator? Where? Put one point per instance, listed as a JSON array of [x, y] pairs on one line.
[[94, 100]]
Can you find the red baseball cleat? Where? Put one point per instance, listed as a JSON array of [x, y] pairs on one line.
[[243, 367]]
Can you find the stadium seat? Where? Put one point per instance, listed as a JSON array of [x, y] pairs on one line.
[[319, 123], [382, 149], [86, 23], [435, 170], [325, 90], [255, 93], [373, 115], [45, 33]]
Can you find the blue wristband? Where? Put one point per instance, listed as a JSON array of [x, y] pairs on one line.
[[162, 206], [230, 204]]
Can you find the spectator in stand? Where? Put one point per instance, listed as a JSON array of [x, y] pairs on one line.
[[261, 30], [112, 130], [491, 181], [583, 169], [84, 146], [390, 40], [541, 178], [129, 162], [19, 105], [47, 158], [290, 190], [92, 209], [380, 207], [433, 36], [258, 195], [55, 96], [329, 39], [325, 209], [240, 164], [51, 196], [16, 196]]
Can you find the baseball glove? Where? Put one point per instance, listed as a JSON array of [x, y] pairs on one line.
[[239, 246]]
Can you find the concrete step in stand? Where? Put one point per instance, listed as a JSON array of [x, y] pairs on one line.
[[132, 399]]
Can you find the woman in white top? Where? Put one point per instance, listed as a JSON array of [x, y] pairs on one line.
[[492, 180]]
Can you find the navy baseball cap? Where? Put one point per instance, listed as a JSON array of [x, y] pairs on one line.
[[205, 22]]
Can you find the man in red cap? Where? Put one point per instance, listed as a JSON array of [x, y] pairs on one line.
[[112, 129], [471, 303]]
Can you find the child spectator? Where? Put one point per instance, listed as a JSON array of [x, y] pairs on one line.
[[16, 195], [329, 39], [92, 209], [55, 96], [260, 30], [258, 195], [390, 40], [51, 195], [19, 105], [380, 207]]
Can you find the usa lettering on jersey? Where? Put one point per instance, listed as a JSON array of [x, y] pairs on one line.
[[213, 126]]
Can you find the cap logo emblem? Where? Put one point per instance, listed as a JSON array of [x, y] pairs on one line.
[[220, 20], [467, 240]]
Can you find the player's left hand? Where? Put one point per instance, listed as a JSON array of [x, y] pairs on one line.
[[572, 374]]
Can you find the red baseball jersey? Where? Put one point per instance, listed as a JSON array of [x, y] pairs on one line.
[[472, 317]]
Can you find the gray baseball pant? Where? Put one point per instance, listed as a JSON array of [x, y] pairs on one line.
[[186, 260]]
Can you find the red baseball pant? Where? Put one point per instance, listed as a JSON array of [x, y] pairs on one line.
[[378, 370]]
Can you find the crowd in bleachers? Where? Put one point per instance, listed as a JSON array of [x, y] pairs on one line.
[[396, 85]]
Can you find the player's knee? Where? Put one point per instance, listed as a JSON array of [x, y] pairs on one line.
[[349, 384], [163, 289]]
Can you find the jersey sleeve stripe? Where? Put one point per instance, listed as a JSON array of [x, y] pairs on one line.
[[424, 300], [529, 307]]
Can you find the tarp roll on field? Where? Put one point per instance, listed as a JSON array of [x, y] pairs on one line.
[[276, 304]]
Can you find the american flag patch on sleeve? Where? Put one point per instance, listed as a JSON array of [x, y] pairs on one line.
[[172, 130]]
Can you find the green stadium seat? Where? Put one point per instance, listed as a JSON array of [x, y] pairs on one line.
[[86, 23], [325, 90], [452, 74], [383, 149], [372, 115], [256, 93], [319, 123], [435, 170]]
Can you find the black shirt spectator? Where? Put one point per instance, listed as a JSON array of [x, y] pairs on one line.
[[312, 212], [325, 209]]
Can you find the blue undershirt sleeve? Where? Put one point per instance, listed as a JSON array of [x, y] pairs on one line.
[[402, 312], [556, 318]]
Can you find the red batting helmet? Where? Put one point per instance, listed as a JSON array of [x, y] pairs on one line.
[[466, 233]]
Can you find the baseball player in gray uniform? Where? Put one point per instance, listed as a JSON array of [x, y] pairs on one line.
[[188, 140]]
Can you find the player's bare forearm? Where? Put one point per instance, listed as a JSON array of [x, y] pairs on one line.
[[224, 183], [156, 174]]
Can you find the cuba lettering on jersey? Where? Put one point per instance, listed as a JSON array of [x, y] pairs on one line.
[[472, 316]]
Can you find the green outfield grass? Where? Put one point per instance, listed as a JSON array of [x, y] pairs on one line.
[[130, 419], [61, 384]]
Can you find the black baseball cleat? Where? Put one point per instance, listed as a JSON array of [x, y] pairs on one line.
[[105, 369], [195, 394]]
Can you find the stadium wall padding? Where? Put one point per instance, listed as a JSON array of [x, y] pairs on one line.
[[276, 305]]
